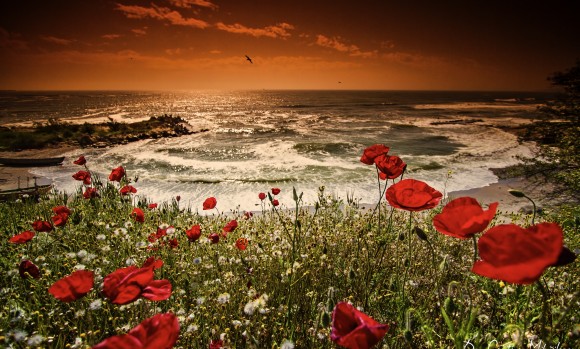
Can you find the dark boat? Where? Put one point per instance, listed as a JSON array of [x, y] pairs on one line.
[[30, 162], [13, 194]]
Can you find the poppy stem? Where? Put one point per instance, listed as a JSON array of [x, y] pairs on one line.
[[474, 248]]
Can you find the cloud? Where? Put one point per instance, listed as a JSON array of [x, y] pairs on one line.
[[160, 13], [280, 30], [190, 3], [111, 36], [11, 41], [337, 44], [55, 40], [139, 31]]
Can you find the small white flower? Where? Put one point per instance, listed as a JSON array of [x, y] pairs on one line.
[[79, 267], [70, 255], [19, 335], [191, 328], [101, 237], [35, 340], [77, 344], [128, 225], [130, 261], [106, 248], [287, 345], [82, 253], [96, 304], [80, 313], [223, 298], [200, 300]]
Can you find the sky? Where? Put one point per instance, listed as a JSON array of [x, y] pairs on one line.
[[293, 44]]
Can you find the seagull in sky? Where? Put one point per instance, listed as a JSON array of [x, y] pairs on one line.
[[249, 59]]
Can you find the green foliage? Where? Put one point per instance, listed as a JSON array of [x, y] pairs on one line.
[[299, 263], [559, 136]]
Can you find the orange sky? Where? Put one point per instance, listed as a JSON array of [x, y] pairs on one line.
[[294, 44]]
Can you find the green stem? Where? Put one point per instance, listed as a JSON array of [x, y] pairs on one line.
[[474, 249]]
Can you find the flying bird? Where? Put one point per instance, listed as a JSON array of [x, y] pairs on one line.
[[249, 59]]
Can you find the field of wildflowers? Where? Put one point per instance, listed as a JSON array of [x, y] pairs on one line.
[[105, 268]]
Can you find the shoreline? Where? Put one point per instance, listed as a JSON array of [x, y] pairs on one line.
[[495, 192]]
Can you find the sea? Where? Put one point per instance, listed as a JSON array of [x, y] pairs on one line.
[[258, 140]]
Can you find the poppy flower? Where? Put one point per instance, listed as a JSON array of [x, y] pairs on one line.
[[126, 285], [173, 243], [242, 244], [152, 206], [275, 202], [262, 196], [370, 153], [194, 233], [90, 193], [275, 191], [128, 189], [61, 210], [27, 268], [138, 215], [209, 203], [42, 226], [72, 287], [231, 226], [153, 263], [80, 161], [216, 344], [117, 174], [354, 329], [160, 331], [248, 215], [412, 195], [391, 165], [463, 217], [178, 198], [59, 220], [84, 176], [517, 255], [214, 238], [22, 238]]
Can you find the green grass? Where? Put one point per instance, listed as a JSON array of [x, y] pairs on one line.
[[305, 258]]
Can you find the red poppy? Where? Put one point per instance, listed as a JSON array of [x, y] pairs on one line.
[[517, 255], [152, 206], [160, 331], [275, 202], [413, 195], [128, 189], [60, 219], [126, 285], [27, 268], [242, 244], [117, 174], [370, 153], [194, 233], [153, 263], [216, 344], [61, 210], [275, 191], [214, 238], [90, 193], [22, 238], [463, 217], [84, 176], [391, 165], [262, 196], [72, 287], [178, 198], [231, 226], [209, 203], [138, 215], [354, 329], [173, 243], [42, 226], [161, 232], [80, 161], [248, 215]]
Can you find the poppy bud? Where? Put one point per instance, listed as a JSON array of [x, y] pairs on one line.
[[401, 236], [408, 336], [420, 233], [517, 193], [443, 264], [325, 320], [449, 305], [351, 274]]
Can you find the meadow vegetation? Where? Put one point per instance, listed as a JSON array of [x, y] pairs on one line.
[[272, 278]]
